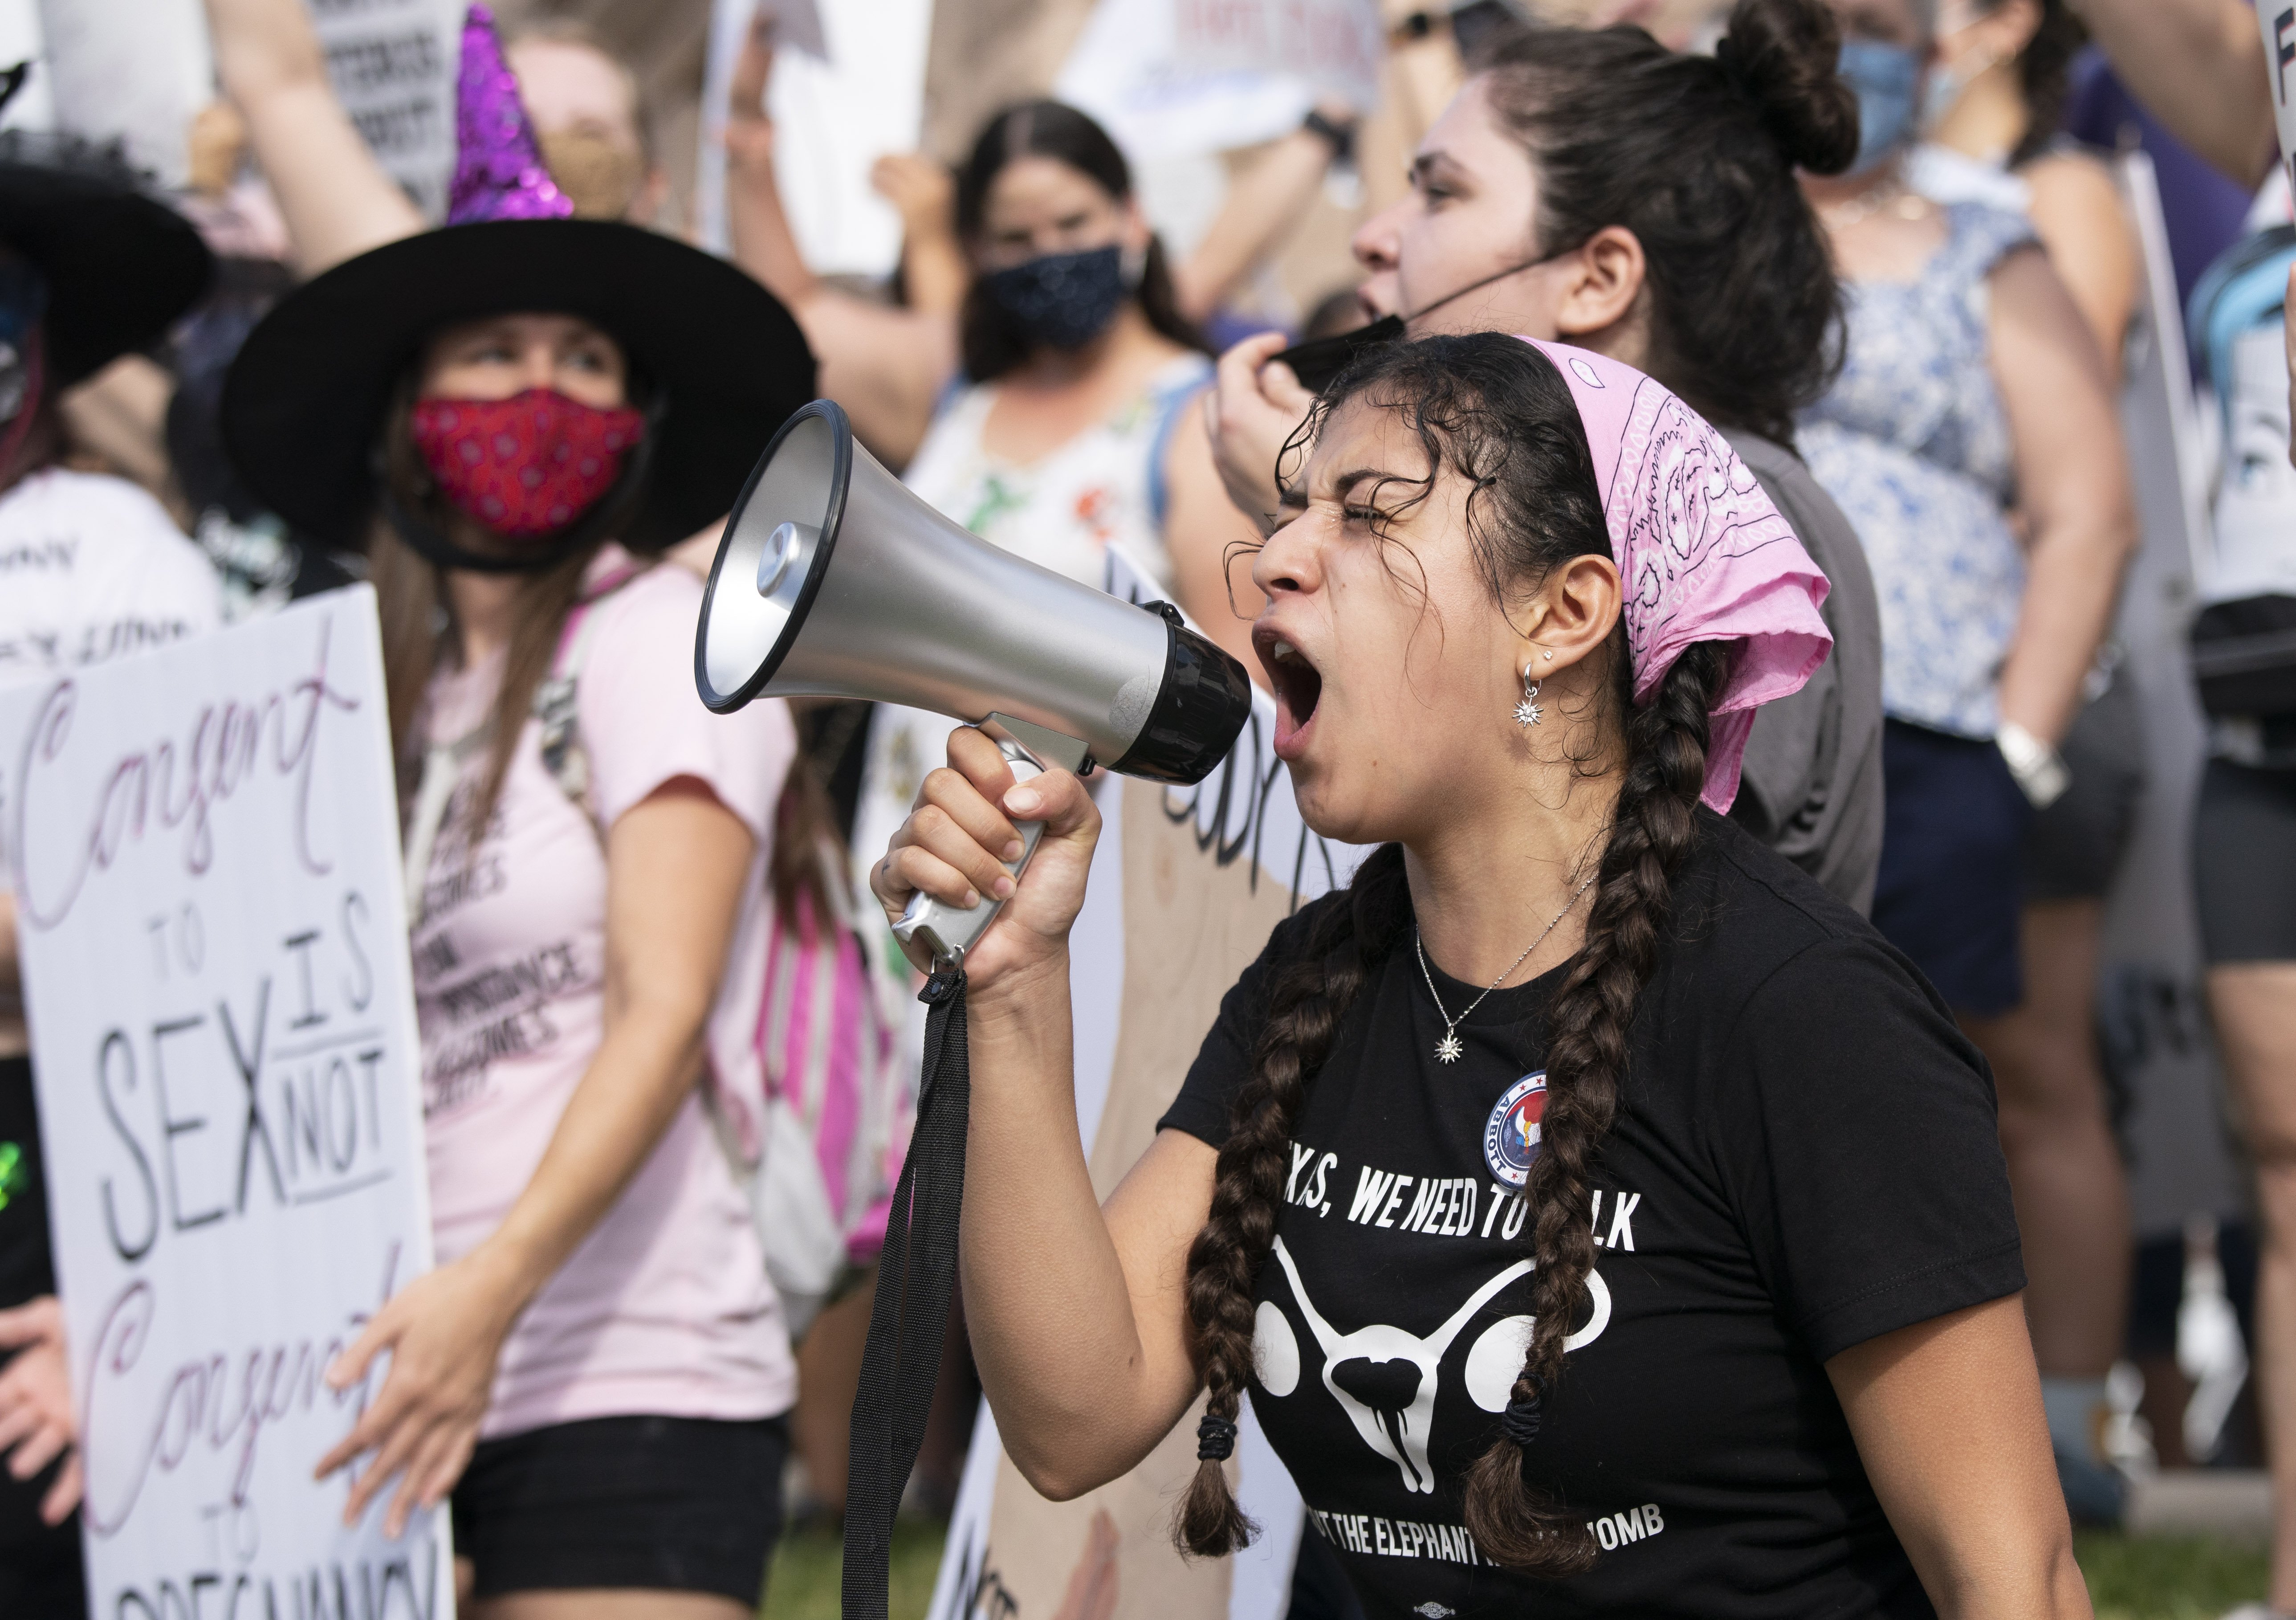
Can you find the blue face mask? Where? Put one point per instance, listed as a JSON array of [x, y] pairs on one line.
[[1062, 301], [1885, 78]]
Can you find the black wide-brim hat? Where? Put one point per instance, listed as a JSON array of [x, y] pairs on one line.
[[303, 405], [120, 265]]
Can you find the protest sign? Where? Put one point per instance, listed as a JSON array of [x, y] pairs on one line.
[[392, 64], [1186, 885], [1170, 78], [848, 87], [133, 71], [21, 40], [203, 846]]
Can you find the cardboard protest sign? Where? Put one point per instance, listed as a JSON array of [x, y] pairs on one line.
[[203, 846], [1186, 884], [392, 64]]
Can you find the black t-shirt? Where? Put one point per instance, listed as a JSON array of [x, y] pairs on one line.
[[1804, 1158], [26, 1271]]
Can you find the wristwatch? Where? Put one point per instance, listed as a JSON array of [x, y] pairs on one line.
[[2038, 768]]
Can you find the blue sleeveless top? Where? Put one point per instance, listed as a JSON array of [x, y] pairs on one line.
[[1913, 443]]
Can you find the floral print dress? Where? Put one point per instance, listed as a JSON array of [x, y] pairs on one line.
[[1104, 485], [1913, 443]]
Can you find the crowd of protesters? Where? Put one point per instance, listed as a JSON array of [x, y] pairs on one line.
[[1853, 254]]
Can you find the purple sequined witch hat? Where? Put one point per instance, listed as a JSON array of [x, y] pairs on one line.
[[498, 169], [715, 359]]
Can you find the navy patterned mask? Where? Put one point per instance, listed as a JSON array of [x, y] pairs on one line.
[[1062, 301]]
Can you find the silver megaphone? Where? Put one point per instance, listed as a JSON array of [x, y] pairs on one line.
[[833, 580]]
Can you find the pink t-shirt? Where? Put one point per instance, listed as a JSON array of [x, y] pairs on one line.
[[665, 1307]]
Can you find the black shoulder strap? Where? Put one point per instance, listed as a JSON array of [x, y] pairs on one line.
[[916, 1279]]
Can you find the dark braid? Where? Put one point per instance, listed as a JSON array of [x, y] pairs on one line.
[[1493, 412], [1652, 831], [1309, 999]]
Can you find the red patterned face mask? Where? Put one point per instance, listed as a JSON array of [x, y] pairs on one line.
[[528, 465]]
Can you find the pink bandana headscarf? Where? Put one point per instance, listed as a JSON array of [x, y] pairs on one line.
[[1702, 552]]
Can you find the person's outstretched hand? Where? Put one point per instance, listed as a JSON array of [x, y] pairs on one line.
[[921, 191], [1250, 412], [444, 1332], [36, 1422], [957, 840], [748, 127]]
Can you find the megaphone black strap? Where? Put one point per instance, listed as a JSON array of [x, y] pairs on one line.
[[916, 1279]]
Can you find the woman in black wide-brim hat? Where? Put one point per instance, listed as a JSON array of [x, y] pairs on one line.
[[515, 413], [92, 266]]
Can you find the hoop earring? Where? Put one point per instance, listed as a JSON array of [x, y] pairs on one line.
[[1528, 713]]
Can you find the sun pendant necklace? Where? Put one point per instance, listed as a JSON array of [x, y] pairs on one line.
[[1449, 1048]]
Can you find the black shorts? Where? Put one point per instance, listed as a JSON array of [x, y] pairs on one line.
[[1949, 892], [40, 1574], [2074, 847], [2244, 863], [662, 1504]]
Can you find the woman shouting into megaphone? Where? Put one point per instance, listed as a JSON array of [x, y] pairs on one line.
[[1600, 1217]]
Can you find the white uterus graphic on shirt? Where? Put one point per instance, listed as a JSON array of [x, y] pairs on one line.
[[1385, 1378]]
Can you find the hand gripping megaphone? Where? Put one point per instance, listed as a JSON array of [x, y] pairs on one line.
[[833, 579]]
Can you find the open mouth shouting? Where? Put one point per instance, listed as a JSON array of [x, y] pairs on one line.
[[1298, 685]]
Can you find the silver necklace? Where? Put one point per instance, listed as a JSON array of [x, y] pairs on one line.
[[1448, 1050]]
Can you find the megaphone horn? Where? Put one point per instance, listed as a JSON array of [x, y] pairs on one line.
[[833, 579]]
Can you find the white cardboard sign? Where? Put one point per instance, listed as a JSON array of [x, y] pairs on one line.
[[392, 64], [203, 845]]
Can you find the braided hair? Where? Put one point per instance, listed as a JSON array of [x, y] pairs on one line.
[[1493, 411]]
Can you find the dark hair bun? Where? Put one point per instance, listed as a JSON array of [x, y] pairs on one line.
[[1783, 55]]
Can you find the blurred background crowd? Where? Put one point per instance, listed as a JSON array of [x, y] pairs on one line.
[[2029, 409]]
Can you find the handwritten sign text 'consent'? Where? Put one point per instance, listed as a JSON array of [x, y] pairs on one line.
[[203, 846]]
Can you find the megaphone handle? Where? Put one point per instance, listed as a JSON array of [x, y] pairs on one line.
[[950, 931]]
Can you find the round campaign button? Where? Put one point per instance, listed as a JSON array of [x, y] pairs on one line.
[[1511, 1135]]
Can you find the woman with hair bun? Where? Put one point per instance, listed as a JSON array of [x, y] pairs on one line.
[[1595, 188], [1602, 1218]]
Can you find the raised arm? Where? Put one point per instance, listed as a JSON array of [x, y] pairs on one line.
[[676, 866], [886, 367], [2072, 486], [1947, 1415], [1265, 202], [933, 260], [336, 199], [1077, 1314], [2198, 66], [1211, 541]]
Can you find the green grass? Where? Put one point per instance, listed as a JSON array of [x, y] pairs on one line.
[[2169, 1577], [2163, 1578], [803, 1583]]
